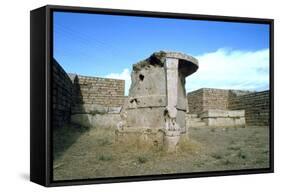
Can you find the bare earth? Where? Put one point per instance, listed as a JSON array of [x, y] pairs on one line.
[[81, 153]]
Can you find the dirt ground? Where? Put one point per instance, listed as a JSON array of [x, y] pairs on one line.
[[81, 153]]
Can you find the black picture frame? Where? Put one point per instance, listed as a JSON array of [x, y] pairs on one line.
[[41, 54]]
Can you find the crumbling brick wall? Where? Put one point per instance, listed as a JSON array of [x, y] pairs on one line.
[[62, 91], [256, 106], [206, 98], [102, 91], [215, 99], [195, 101], [68, 90]]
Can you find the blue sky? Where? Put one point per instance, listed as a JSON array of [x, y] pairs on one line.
[[231, 55]]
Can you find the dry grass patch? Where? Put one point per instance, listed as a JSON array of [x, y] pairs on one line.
[[95, 153]]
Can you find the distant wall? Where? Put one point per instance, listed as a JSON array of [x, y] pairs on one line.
[[195, 101], [215, 99], [101, 91], [205, 99], [62, 91], [70, 91], [256, 106]]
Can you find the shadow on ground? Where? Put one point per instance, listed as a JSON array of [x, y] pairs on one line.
[[65, 137]]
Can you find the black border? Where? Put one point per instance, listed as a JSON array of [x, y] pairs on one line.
[[37, 96], [49, 54]]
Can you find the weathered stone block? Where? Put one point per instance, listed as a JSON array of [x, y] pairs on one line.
[[224, 118], [114, 110], [222, 113], [157, 97]]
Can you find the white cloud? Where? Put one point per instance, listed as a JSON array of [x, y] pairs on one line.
[[231, 69], [124, 75], [225, 69]]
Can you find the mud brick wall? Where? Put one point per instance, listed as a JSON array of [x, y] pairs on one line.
[[102, 91], [209, 98], [205, 99], [70, 90], [215, 99], [195, 101], [62, 90], [256, 106]]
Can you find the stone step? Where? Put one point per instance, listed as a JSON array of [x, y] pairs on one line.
[[190, 115], [197, 119], [198, 124]]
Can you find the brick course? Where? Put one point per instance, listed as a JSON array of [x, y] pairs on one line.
[[70, 90], [255, 104], [206, 98], [195, 101], [102, 91], [62, 91]]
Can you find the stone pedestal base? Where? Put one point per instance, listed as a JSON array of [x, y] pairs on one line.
[[224, 118], [166, 140], [154, 113], [141, 136], [171, 140]]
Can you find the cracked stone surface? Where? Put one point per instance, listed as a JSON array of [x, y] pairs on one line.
[[157, 97]]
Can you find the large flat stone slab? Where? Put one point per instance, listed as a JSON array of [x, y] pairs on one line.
[[224, 118], [222, 113]]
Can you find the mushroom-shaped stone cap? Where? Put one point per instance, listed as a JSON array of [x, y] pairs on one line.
[[187, 64]]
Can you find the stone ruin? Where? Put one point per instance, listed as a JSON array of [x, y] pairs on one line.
[[155, 110]]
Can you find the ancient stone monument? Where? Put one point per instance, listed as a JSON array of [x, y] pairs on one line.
[[155, 110]]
